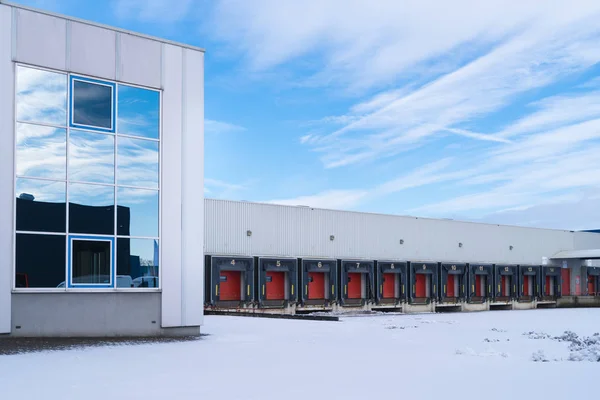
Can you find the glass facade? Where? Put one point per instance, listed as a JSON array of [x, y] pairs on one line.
[[87, 183]]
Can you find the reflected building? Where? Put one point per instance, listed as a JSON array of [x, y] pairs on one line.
[[104, 176]]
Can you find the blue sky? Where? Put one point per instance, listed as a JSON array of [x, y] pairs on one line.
[[484, 111]]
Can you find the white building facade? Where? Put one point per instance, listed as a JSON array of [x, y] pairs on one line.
[[101, 180]]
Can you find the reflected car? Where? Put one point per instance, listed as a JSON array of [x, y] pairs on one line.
[[123, 281], [146, 281]]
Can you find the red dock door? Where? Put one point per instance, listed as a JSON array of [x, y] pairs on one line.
[[316, 285], [421, 285], [450, 286], [354, 285], [591, 285], [505, 289], [275, 285], [389, 286], [479, 285], [566, 281], [230, 286], [526, 279]]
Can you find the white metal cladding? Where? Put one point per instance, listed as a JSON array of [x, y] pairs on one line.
[[305, 232], [193, 188], [6, 166], [59, 43], [41, 39], [171, 187], [96, 60]]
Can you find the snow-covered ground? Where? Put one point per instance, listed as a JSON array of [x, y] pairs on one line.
[[487, 355]]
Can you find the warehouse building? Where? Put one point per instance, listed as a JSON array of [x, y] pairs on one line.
[[269, 258], [102, 216]]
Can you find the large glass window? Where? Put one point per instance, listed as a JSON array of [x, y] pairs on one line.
[[87, 182]]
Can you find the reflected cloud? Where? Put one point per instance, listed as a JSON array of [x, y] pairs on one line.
[[41, 151], [139, 111], [141, 209], [91, 157], [42, 191], [137, 162], [41, 96]]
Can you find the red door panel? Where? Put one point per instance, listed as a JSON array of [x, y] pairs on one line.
[[275, 288], [478, 283], [421, 285], [230, 286], [354, 285], [591, 285], [316, 285], [450, 286], [566, 281], [505, 286], [526, 285], [389, 286], [547, 292]]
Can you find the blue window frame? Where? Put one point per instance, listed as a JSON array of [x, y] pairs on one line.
[[92, 104], [108, 280]]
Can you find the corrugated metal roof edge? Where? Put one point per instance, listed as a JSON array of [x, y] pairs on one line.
[[389, 215], [109, 27]]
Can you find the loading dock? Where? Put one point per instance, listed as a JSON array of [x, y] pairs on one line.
[[357, 281], [277, 282], [505, 282], [423, 276], [480, 282], [391, 282], [593, 281], [229, 281], [529, 282], [452, 282], [551, 283], [318, 278]]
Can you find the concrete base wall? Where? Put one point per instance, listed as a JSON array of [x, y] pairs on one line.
[[578, 301], [90, 315], [476, 306]]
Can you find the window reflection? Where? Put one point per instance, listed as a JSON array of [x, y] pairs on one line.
[[91, 157], [40, 261], [137, 212], [92, 104], [91, 209], [138, 112], [90, 263], [138, 258], [41, 151], [41, 96], [41, 205], [137, 162]]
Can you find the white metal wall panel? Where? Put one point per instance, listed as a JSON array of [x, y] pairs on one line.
[[92, 50], [193, 189], [586, 241], [139, 60], [171, 188], [6, 166], [41, 39], [303, 231]]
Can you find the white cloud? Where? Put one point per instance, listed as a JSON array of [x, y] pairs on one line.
[[331, 199], [152, 10], [212, 127]]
